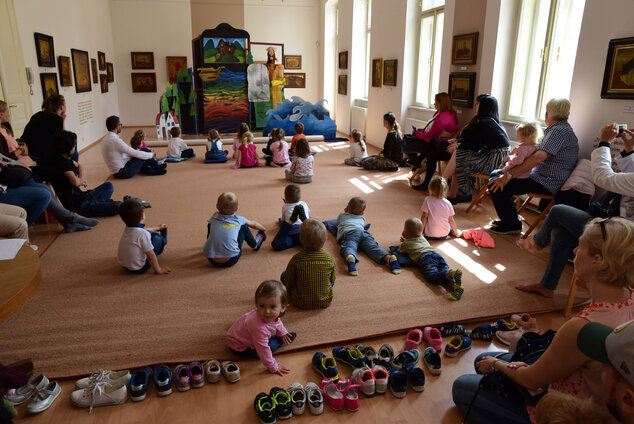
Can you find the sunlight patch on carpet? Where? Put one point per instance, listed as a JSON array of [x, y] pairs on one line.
[[361, 185], [467, 263]]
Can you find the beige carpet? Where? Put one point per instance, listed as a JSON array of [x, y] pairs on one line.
[[90, 314]]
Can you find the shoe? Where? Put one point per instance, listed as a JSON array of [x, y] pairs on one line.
[[456, 276], [414, 339], [349, 356], [369, 352], [380, 379], [326, 366], [397, 382], [456, 345], [259, 239], [230, 370], [405, 359], [509, 338], [139, 383], [416, 378], [315, 398], [451, 329], [182, 378], [332, 394], [25, 392], [431, 358], [282, 399], [146, 205], [161, 162], [110, 377], [298, 398], [506, 229], [212, 371], [503, 325], [162, 380], [44, 398], [433, 338], [483, 332], [394, 266], [456, 293], [495, 223], [197, 375], [265, 408], [386, 356], [525, 321], [352, 268], [260, 164], [102, 394], [364, 378], [350, 395]]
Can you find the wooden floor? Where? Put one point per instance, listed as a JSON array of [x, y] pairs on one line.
[[224, 402]]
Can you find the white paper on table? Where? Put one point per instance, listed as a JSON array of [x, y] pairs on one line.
[[9, 248]]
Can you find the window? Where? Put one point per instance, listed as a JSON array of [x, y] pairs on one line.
[[544, 57], [367, 48], [430, 43]]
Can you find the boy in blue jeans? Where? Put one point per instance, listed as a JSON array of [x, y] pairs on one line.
[[294, 212], [140, 246], [432, 264], [226, 232], [352, 235]]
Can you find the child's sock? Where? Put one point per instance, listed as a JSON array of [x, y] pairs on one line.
[[259, 239], [394, 266], [455, 275], [456, 293], [352, 268]]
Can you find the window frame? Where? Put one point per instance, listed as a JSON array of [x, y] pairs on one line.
[[434, 49]]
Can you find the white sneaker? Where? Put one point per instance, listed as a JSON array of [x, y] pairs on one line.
[[212, 370], [380, 379], [32, 246], [111, 377], [315, 398], [25, 392], [44, 398], [231, 371], [298, 398], [364, 378], [101, 394]]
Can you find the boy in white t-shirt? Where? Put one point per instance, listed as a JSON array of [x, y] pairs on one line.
[[437, 212], [294, 212], [140, 246], [177, 148]]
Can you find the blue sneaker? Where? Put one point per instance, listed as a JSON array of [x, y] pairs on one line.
[[326, 366], [163, 379], [283, 405], [503, 325], [394, 266], [416, 378], [397, 382], [139, 383], [265, 408], [451, 329], [456, 345], [484, 332], [350, 356], [352, 268], [405, 359]]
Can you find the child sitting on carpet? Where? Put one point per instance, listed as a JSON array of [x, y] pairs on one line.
[[437, 212], [137, 142], [352, 235], [177, 148], [299, 133], [310, 274], [358, 151], [432, 264], [301, 170], [294, 212], [138, 246], [215, 154], [226, 231], [242, 130], [260, 332], [247, 158], [279, 151], [273, 137]]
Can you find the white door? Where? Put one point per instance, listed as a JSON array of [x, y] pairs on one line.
[[13, 85]]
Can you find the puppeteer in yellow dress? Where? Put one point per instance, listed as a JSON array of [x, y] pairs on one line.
[[277, 84]]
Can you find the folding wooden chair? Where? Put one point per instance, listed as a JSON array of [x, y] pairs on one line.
[[541, 216], [480, 189], [571, 294]]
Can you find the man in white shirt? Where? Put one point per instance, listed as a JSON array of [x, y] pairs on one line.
[[122, 160]]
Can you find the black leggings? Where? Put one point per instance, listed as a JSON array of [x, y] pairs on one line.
[[437, 151]]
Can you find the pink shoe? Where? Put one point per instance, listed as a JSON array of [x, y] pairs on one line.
[[525, 321], [236, 166], [350, 394], [433, 338], [261, 164], [414, 339], [333, 396]]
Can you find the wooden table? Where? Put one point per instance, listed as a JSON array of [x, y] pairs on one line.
[[19, 280]]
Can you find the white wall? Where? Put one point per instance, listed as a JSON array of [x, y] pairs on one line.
[[163, 28], [79, 24], [208, 14], [355, 66]]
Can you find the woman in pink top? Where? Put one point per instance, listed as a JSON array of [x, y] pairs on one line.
[[605, 261], [260, 332]]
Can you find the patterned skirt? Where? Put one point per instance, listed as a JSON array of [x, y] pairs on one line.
[[469, 162]]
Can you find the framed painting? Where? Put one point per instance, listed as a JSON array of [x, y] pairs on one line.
[[464, 49], [618, 78], [342, 87], [260, 52], [101, 58], [103, 82], [81, 70], [295, 80], [292, 62], [377, 73], [110, 71], [142, 60], [63, 64], [175, 64], [390, 69], [224, 50], [95, 73], [49, 84], [343, 60], [45, 50], [462, 88], [144, 82]]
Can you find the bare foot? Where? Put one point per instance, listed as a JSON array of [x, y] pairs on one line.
[[536, 288], [527, 244]]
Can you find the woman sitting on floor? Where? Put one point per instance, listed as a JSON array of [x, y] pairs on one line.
[[605, 261]]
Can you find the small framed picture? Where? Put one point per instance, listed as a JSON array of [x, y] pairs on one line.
[[292, 62], [142, 60], [45, 50], [95, 73], [101, 57], [618, 77], [390, 69], [110, 72], [49, 84], [103, 82], [342, 87], [144, 82], [81, 70], [343, 60], [377, 73], [462, 88], [464, 49], [65, 78], [295, 80], [175, 64]]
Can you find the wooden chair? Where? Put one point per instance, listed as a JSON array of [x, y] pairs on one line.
[[540, 217], [480, 189], [571, 294]]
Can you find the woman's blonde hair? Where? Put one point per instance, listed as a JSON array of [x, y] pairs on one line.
[[358, 138], [613, 240], [531, 132], [562, 408], [247, 138], [438, 187]]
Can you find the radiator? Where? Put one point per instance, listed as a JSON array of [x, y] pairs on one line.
[[409, 122], [357, 118]]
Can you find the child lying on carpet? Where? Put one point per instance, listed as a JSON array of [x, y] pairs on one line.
[[226, 231], [294, 212], [260, 332], [138, 246], [310, 274]]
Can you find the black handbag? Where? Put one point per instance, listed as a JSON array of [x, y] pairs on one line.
[[608, 205], [14, 176]]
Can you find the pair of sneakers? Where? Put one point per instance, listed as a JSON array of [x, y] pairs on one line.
[[40, 390], [276, 403], [101, 388], [370, 354], [188, 376], [214, 369], [405, 359], [485, 332], [398, 380], [370, 380], [351, 356], [340, 394], [310, 395], [525, 323]]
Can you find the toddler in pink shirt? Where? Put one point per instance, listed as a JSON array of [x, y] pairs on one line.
[[437, 212], [527, 135], [260, 332]]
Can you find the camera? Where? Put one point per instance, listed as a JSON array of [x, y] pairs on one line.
[[621, 128]]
